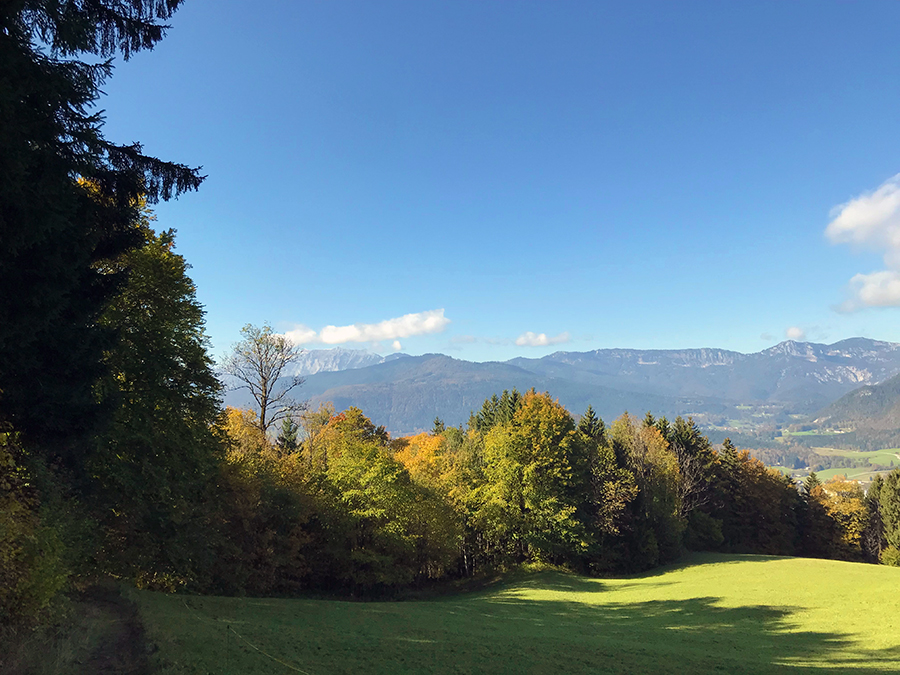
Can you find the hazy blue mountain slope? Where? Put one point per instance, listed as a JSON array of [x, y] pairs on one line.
[[439, 386], [808, 374], [405, 393], [873, 407]]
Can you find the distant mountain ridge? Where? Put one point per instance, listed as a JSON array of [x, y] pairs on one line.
[[797, 372], [314, 361], [406, 393]]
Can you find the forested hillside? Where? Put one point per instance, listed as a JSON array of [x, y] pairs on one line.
[[868, 417]]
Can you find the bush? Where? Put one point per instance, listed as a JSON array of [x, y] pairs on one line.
[[32, 567], [704, 533], [890, 556]]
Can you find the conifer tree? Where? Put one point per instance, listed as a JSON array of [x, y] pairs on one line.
[[592, 426], [288, 436], [811, 483], [889, 503], [54, 58]]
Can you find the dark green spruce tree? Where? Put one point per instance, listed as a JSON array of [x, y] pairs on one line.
[[69, 199]]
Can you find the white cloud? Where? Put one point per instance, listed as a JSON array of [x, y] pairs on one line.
[[872, 220], [795, 333], [879, 289], [396, 345], [421, 323], [530, 339], [301, 335]]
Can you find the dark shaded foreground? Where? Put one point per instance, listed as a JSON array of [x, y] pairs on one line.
[[101, 632]]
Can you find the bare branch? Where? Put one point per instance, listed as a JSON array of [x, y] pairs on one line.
[[693, 484], [258, 362]]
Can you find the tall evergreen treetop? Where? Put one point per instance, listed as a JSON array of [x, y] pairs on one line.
[[69, 200], [591, 425]]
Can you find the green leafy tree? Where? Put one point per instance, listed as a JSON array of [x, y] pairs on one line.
[[889, 503], [530, 466], [381, 528], [157, 460], [654, 515]]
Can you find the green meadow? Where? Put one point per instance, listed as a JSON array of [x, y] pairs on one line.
[[887, 457], [710, 613]]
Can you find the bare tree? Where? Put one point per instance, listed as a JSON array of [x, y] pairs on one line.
[[258, 362], [693, 484]]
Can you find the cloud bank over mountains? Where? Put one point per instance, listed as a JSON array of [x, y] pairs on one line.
[[871, 221], [408, 325]]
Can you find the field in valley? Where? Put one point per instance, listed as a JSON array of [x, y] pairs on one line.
[[709, 613], [888, 457]]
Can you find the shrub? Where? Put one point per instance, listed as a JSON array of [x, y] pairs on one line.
[[890, 556]]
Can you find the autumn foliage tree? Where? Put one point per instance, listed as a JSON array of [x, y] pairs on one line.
[[846, 516]]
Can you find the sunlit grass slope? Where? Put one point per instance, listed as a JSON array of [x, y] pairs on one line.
[[711, 613], [887, 457]]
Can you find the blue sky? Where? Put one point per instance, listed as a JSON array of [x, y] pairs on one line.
[[458, 177]]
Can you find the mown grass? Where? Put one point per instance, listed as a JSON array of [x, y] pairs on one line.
[[711, 613]]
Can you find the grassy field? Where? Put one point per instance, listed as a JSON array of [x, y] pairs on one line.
[[711, 613], [884, 457], [881, 457], [859, 473]]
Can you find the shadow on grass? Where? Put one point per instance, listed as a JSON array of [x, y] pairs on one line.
[[563, 580], [505, 632], [691, 635], [694, 559], [528, 622]]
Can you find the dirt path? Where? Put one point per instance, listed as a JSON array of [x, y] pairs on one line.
[[99, 633], [123, 650]]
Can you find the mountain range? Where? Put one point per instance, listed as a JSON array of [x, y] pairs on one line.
[[314, 361], [789, 381]]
